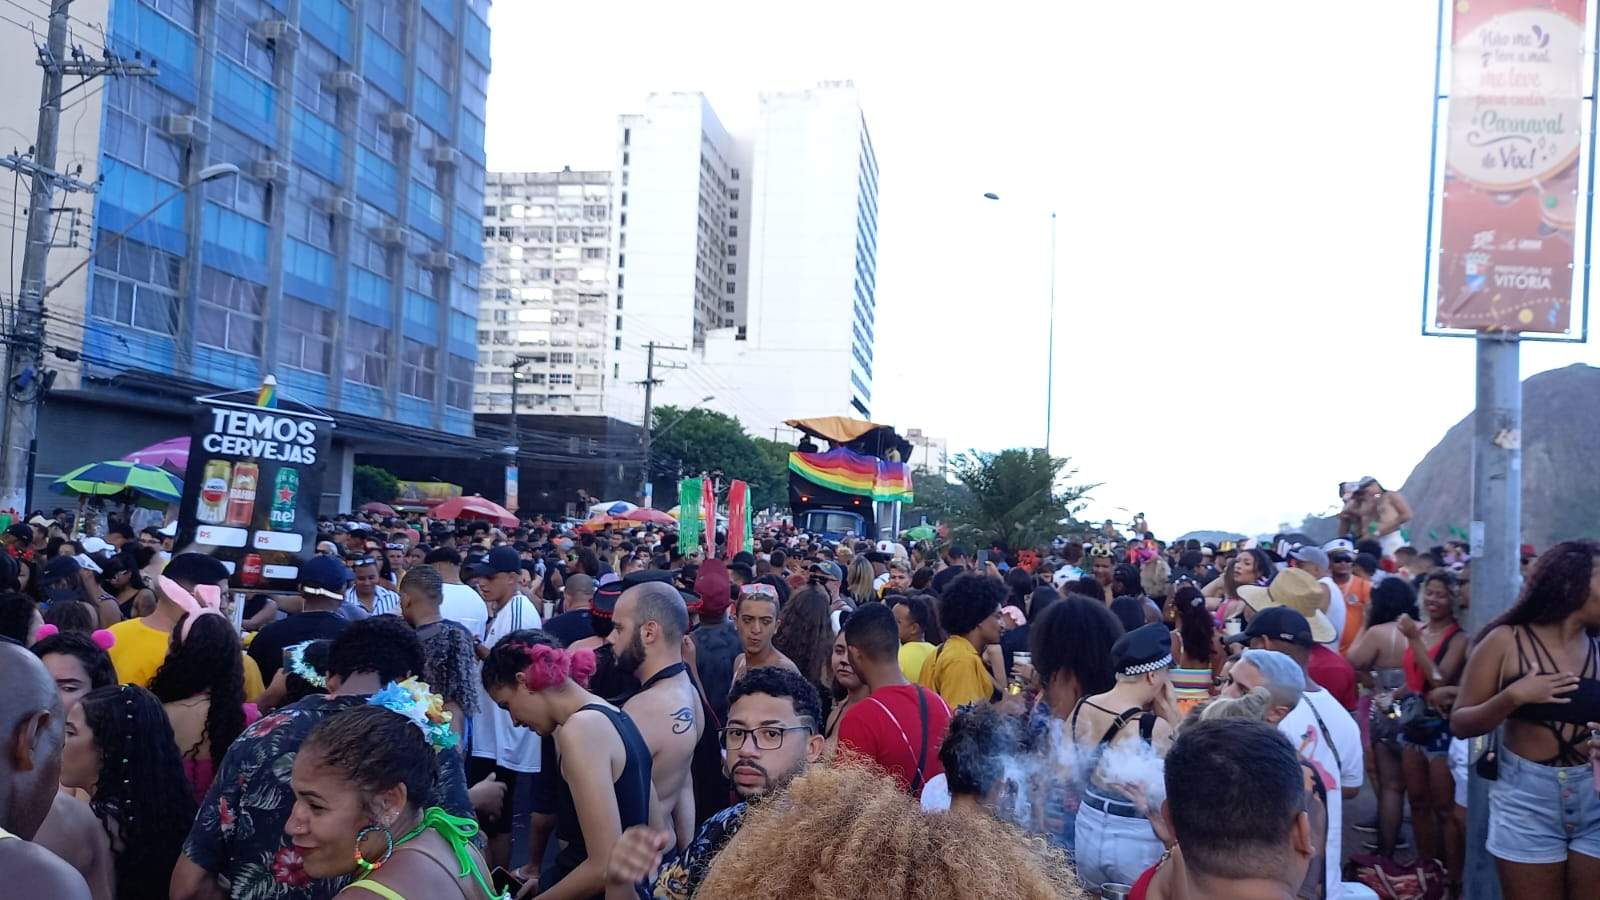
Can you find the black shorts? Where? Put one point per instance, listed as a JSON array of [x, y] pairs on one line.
[[478, 768]]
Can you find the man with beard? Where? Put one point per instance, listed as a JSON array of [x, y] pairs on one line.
[[773, 734], [647, 636]]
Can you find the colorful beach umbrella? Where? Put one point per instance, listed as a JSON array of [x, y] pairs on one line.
[[148, 486], [646, 515]]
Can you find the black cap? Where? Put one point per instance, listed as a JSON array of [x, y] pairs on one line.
[[60, 568], [1280, 623], [325, 576], [503, 559], [21, 532], [1144, 649], [195, 568], [606, 595]]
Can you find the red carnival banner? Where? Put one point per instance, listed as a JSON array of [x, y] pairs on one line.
[[708, 509], [738, 517], [1511, 178]]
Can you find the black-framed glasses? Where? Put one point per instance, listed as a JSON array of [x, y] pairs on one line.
[[768, 737]]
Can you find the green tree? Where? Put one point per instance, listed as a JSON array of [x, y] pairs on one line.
[[700, 440], [937, 499], [1018, 496], [773, 489], [373, 483]]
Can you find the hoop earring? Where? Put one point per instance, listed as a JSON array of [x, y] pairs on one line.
[[367, 868]]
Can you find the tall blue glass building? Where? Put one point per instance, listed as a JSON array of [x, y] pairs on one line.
[[344, 258]]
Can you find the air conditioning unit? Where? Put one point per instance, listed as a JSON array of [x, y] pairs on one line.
[[271, 170], [187, 129], [338, 207], [400, 122], [279, 31], [444, 157], [438, 260], [391, 236], [344, 81]]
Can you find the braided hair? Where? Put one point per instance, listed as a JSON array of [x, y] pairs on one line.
[[141, 797]]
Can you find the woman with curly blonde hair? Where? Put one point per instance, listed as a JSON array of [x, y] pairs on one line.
[[848, 831]]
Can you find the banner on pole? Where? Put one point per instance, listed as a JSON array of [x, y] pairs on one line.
[[253, 485], [738, 518], [688, 514], [708, 509], [1514, 132]]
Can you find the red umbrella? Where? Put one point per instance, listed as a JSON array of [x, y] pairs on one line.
[[171, 454], [382, 509], [646, 515], [473, 507]]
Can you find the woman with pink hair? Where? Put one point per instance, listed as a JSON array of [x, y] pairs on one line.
[[604, 762]]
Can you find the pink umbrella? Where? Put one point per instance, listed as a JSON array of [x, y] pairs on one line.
[[171, 454], [473, 508]]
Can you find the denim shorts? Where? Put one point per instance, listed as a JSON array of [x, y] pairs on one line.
[[1539, 814], [1112, 847]]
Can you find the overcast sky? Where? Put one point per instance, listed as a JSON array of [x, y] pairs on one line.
[[1242, 195]]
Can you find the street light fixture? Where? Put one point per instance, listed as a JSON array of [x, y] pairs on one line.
[[1050, 349]]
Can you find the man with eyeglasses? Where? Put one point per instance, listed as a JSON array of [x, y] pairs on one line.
[[773, 733]]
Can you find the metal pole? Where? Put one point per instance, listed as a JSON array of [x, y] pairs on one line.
[[27, 329], [1496, 549], [516, 432], [644, 436], [1050, 352]]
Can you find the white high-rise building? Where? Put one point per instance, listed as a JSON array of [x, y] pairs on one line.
[[795, 269], [680, 250], [545, 296]]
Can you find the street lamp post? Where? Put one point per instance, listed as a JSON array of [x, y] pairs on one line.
[[1050, 350], [21, 427]]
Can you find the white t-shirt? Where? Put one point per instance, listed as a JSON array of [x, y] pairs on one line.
[[1335, 609], [465, 607], [1340, 765], [494, 735]]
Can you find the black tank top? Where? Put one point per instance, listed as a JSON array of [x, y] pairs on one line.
[[1565, 721], [632, 789]]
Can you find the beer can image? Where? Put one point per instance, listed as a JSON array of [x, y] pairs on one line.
[[242, 494], [212, 507], [285, 487]]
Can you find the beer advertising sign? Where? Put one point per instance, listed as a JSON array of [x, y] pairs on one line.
[[253, 484]]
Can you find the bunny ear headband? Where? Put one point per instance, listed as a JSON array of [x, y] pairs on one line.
[[102, 638], [204, 601]]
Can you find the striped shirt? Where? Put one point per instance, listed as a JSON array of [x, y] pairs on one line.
[[384, 603]]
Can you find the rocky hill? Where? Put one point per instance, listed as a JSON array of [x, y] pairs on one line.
[[1560, 465]]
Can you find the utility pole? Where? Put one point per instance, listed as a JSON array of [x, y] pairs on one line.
[[1496, 549], [24, 376], [516, 429], [650, 381]]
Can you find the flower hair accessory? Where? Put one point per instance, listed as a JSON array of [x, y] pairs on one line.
[[413, 699], [294, 657]]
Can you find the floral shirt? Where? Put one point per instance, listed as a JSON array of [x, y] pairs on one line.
[[680, 878], [239, 833]]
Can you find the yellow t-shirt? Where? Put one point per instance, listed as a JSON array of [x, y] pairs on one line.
[[912, 658], [957, 673], [140, 650]]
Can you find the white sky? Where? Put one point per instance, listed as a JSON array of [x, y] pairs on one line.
[[1242, 198]]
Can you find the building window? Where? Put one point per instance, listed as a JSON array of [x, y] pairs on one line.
[[418, 364], [152, 303], [229, 313], [366, 353], [307, 336], [619, 343]]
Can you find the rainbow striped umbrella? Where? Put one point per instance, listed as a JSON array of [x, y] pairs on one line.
[[131, 482]]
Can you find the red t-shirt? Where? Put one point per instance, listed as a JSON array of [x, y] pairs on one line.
[[1335, 674], [887, 728]]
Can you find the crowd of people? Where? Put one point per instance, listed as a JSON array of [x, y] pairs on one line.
[[460, 710]]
